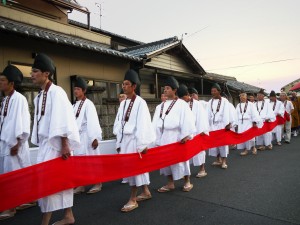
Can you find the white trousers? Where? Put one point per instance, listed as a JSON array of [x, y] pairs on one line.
[[277, 131], [264, 139], [178, 170], [222, 151], [288, 126]]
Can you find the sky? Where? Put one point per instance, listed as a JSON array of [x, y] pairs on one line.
[[256, 41]]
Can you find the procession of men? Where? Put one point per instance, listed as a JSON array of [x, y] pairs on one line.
[[178, 118]]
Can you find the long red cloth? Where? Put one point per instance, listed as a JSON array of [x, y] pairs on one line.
[[40, 180]]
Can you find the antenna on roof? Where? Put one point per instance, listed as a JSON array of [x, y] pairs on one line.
[[182, 36], [100, 11]]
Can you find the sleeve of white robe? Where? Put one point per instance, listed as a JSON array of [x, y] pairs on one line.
[[202, 125], [234, 119], [144, 132], [21, 126], [237, 113], [63, 122], [154, 124], [187, 122], [117, 126], [255, 116], [227, 111], [281, 110], [93, 126], [208, 112], [270, 113], [116, 123]]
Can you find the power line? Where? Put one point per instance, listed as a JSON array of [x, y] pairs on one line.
[[257, 64], [192, 34]]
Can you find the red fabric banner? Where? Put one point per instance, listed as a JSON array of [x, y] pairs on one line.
[[40, 180]]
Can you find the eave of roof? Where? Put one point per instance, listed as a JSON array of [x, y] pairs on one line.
[[219, 77], [144, 49], [59, 38], [238, 86]]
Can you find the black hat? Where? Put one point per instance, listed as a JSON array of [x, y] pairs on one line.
[[182, 91], [172, 82], [216, 86], [272, 94], [251, 94], [13, 74], [81, 83], [192, 91], [261, 91], [132, 76], [44, 63], [242, 91]]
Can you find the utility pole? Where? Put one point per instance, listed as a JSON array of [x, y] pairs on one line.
[[100, 12]]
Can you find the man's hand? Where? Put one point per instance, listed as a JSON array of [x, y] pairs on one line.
[[145, 151], [95, 144], [65, 149], [254, 124], [267, 120], [202, 134], [184, 140], [118, 150], [14, 150]]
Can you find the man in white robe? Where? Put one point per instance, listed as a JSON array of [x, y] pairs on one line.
[[201, 123], [89, 128], [247, 117], [134, 135], [289, 108], [278, 109], [174, 121], [266, 114], [251, 98], [195, 95], [55, 132], [219, 118], [14, 128]]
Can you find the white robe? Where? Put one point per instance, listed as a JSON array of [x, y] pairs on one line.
[[288, 105], [245, 122], [58, 121], [233, 117], [278, 111], [16, 124], [204, 104], [202, 126], [222, 118], [89, 128], [265, 114], [178, 124], [137, 134]]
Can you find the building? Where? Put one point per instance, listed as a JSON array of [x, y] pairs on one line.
[[288, 86], [99, 56]]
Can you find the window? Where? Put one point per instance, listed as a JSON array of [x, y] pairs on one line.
[[108, 89]]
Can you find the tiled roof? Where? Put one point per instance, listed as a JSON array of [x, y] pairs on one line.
[[232, 83], [59, 38], [238, 86], [108, 33], [144, 49], [214, 76]]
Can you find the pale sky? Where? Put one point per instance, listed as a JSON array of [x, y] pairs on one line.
[[231, 37]]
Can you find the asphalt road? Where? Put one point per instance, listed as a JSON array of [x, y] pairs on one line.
[[260, 190]]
